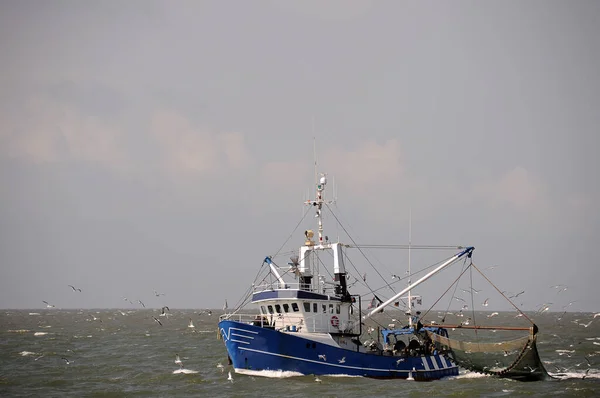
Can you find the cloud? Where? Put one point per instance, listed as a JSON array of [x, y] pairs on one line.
[[517, 188], [45, 131], [371, 165], [188, 150]]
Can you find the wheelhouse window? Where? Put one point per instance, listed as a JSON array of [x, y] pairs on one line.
[[263, 309], [295, 307], [278, 308], [286, 308], [337, 309], [306, 307], [331, 308], [270, 309], [315, 307]]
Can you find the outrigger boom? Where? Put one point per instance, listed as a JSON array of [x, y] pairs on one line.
[[468, 252]]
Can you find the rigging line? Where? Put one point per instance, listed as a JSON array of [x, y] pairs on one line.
[[242, 302], [502, 294], [413, 274], [238, 306], [472, 302], [292, 234], [427, 247], [443, 294], [324, 265], [359, 249], [340, 224]]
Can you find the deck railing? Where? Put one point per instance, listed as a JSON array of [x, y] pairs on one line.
[[324, 289], [318, 323]]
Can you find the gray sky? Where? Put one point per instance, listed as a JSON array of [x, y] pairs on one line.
[[168, 145]]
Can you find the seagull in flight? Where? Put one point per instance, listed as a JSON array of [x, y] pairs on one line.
[[163, 313], [323, 357], [343, 360], [75, 289], [585, 325], [586, 373], [178, 360], [157, 321], [229, 377], [48, 305], [66, 360], [485, 303], [220, 366], [157, 294], [143, 305], [561, 288]]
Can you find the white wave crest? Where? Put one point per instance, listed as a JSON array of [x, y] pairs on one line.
[[185, 371], [275, 374]]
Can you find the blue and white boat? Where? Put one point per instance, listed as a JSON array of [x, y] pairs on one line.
[[306, 320]]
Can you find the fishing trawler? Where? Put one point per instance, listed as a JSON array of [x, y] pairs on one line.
[[307, 321]]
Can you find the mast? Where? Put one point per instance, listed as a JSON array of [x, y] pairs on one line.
[[339, 269], [467, 251], [409, 272]]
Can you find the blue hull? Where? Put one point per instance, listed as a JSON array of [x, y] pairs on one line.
[[253, 348]]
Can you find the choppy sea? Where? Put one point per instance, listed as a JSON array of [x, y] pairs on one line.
[[126, 353]]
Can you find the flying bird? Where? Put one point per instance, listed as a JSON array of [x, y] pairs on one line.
[[343, 360], [586, 373], [220, 366], [485, 303], [143, 305], [48, 305], [163, 313], [157, 294], [323, 357], [178, 360], [157, 321], [229, 377], [75, 289]]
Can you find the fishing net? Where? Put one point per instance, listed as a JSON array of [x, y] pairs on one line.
[[494, 351]]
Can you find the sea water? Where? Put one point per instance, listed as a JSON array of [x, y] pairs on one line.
[[126, 353]]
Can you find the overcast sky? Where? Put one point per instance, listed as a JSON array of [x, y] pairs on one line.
[[169, 145]]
